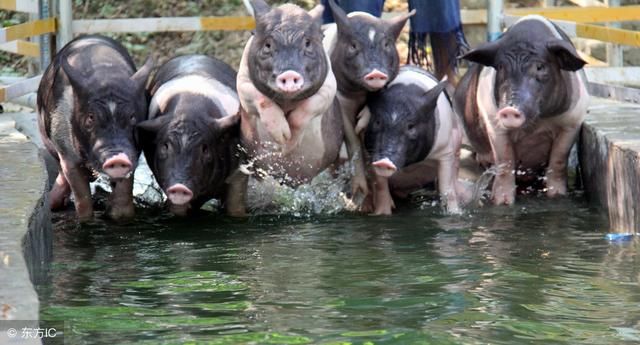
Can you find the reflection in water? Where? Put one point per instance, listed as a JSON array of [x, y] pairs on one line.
[[536, 273]]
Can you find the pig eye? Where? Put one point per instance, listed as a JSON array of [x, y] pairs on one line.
[[353, 48], [133, 119], [540, 67], [266, 49], [88, 121], [307, 43], [205, 150]]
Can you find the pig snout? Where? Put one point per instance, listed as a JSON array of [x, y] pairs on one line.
[[179, 194], [290, 81], [118, 166], [511, 117], [384, 167], [376, 80]]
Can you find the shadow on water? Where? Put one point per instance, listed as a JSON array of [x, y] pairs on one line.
[[536, 273]]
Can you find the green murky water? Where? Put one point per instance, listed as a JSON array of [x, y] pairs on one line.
[[537, 273]]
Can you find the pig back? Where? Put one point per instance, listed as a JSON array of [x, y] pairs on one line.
[[190, 65]]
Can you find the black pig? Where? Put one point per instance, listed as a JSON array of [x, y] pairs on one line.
[[192, 134], [89, 100]]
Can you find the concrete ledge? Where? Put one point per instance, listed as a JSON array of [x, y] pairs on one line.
[[609, 160], [25, 225]]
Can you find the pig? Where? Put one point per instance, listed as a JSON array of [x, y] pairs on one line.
[[191, 137], [413, 131], [89, 100], [523, 102], [291, 125], [364, 59]]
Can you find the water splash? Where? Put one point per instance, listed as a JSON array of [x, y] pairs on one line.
[[324, 194], [480, 189], [146, 191]]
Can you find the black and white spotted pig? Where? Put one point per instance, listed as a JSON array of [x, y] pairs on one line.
[[191, 137], [364, 59], [523, 104], [412, 138], [89, 101], [291, 123]]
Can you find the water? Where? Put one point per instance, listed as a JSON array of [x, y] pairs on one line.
[[537, 273]]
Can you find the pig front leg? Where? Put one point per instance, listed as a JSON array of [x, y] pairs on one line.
[[503, 191], [256, 103], [269, 113], [120, 205], [78, 179], [447, 180], [314, 106], [354, 150], [557, 169], [383, 202], [236, 194], [59, 194]]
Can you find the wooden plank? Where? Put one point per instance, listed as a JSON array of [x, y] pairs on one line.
[[22, 48], [618, 93], [163, 24], [137, 25], [611, 35], [227, 23], [614, 75], [588, 3], [583, 14], [591, 61], [28, 29], [473, 17], [20, 88], [29, 6], [601, 33]]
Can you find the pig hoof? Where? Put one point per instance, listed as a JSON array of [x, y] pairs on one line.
[[382, 212], [554, 193], [238, 213], [120, 213], [503, 199], [556, 189], [84, 211]]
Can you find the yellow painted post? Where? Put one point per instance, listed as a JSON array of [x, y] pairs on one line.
[[227, 23], [583, 14], [28, 29], [601, 33]]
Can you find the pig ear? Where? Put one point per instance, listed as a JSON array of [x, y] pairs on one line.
[[316, 13], [227, 122], [397, 23], [566, 54], [153, 125], [260, 8], [340, 16], [431, 98], [77, 80], [141, 76], [485, 54]]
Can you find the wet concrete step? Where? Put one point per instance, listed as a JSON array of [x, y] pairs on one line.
[[609, 160], [25, 228]]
